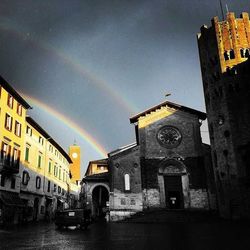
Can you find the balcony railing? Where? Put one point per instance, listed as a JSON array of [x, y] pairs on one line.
[[8, 165]]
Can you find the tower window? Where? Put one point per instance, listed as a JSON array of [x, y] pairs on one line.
[[226, 56], [232, 55], [247, 54], [242, 53]]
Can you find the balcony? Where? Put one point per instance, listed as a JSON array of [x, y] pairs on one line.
[[8, 166]]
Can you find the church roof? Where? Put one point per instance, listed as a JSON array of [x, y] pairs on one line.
[[99, 176], [101, 161], [200, 114], [122, 149]]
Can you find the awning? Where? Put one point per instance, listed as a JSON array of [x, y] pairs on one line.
[[11, 199]]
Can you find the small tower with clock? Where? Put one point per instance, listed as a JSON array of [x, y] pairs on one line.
[[75, 167]]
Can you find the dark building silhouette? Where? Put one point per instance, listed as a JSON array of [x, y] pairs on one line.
[[224, 51], [167, 167]]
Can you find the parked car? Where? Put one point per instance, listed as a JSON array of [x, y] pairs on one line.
[[73, 217]]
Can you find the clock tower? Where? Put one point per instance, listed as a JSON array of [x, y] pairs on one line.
[[75, 167]]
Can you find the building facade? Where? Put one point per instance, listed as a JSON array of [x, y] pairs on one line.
[[13, 110], [34, 168], [167, 167], [224, 50], [45, 183], [95, 188]]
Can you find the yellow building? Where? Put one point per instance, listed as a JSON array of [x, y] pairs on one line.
[[45, 182], [12, 130], [97, 167]]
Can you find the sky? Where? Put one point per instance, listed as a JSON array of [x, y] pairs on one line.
[[87, 66]]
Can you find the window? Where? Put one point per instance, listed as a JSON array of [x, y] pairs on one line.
[[60, 173], [49, 170], [19, 109], [28, 131], [18, 128], [51, 148], [10, 101], [39, 163], [27, 150], [16, 157], [38, 182], [48, 189], [8, 122], [55, 170], [13, 183], [59, 190], [54, 187], [226, 56], [26, 178], [100, 167], [247, 53], [232, 55], [242, 53], [127, 182], [2, 180], [5, 152], [40, 140]]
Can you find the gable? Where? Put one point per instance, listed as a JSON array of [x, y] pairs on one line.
[[159, 114]]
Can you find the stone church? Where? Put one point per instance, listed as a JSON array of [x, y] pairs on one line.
[[167, 167]]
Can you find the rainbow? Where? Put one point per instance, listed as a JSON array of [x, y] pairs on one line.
[[6, 25], [69, 123]]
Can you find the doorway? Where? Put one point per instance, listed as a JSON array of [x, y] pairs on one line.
[[100, 197], [36, 209], [173, 192]]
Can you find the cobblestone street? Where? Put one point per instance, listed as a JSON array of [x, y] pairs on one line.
[[146, 232]]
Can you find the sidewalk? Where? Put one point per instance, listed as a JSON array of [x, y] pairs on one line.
[[173, 216]]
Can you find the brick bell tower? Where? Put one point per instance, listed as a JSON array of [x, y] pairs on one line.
[[224, 50], [75, 167]]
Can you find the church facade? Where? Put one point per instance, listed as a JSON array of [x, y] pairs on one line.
[[168, 166]]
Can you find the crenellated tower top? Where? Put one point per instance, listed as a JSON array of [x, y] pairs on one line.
[[232, 37]]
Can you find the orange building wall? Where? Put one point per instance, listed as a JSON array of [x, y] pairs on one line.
[[75, 167]]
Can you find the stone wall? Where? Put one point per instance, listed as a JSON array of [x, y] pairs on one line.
[[198, 198], [187, 124], [125, 202]]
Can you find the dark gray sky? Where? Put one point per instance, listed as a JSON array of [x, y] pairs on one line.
[[100, 62]]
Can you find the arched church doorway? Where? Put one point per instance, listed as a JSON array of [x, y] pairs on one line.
[[173, 191], [100, 197], [174, 184]]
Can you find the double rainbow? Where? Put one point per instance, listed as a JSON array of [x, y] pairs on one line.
[[69, 123]]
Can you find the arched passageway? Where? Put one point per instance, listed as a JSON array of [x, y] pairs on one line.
[[100, 197]]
